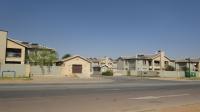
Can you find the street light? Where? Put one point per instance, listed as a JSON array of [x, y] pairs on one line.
[[189, 60]]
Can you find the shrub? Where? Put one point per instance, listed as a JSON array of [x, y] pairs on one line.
[[169, 68], [108, 73], [128, 73]]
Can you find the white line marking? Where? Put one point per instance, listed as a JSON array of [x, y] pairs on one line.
[[111, 89], [157, 97]]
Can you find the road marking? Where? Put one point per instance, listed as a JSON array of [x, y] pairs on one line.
[[112, 89], [157, 97]]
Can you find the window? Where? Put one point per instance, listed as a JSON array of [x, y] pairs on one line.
[[13, 62], [76, 68], [11, 52], [157, 63]]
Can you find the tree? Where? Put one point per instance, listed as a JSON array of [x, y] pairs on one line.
[[51, 57], [169, 68], [66, 56], [43, 58]]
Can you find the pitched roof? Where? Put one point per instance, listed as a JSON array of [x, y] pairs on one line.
[[72, 57], [191, 60], [30, 45], [127, 57], [94, 60], [147, 56], [141, 56]]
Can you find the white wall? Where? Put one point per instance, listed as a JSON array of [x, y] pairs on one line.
[[124, 72], [172, 74]]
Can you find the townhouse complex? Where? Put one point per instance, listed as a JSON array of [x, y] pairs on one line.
[[143, 62], [15, 52]]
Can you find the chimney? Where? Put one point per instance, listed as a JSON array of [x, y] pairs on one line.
[[3, 40], [162, 57], [162, 53]]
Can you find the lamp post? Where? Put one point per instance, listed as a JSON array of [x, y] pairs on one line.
[[189, 60]]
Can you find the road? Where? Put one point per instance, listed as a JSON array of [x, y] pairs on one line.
[[120, 96]]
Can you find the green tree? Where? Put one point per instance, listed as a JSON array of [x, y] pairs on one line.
[[107, 73], [66, 56], [43, 58]]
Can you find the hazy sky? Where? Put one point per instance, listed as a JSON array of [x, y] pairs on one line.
[[106, 27]]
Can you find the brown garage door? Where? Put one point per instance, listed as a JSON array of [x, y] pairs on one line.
[[76, 68]]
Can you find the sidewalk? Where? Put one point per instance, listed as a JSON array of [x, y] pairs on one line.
[[56, 80]]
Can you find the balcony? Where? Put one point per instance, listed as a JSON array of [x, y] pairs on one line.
[[156, 63]]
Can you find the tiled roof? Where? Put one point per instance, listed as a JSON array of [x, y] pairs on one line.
[[94, 60], [140, 56], [72, 57], [30, 45], [191, 60]]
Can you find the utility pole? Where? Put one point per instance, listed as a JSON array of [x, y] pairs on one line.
[[189, 60]]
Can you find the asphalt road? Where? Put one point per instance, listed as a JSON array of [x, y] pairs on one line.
[[120, 96]]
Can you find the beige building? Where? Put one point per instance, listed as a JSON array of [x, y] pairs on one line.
[[15, 51], [186, 64], [3, 41], [106, 64], [100, 65], [158, 61], [76, 66]]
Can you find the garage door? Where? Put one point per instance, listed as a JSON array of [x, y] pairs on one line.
[[76, 68]]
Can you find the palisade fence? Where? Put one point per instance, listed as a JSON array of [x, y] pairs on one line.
[[25, 70]]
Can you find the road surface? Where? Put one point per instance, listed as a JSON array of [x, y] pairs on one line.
[[120, 96]]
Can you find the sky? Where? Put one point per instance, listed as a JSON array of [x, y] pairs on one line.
[[96, 28]]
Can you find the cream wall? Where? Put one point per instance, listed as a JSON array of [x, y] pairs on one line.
[[3, 37], [11, 44], [21, 70], [67, 67], [162, 61], [106, 62]]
